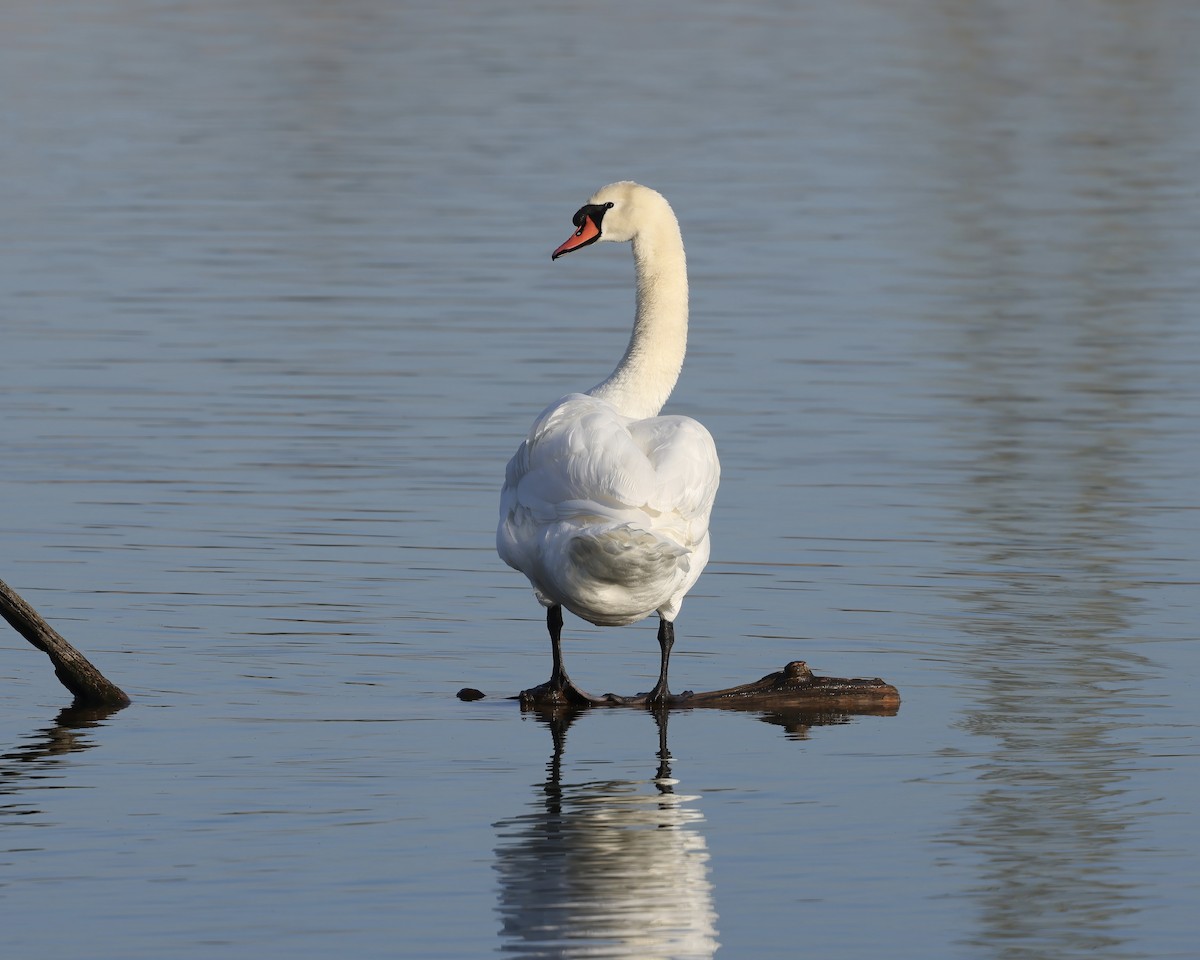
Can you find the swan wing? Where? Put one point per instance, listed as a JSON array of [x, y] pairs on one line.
[[605, 514], [580, 459], [686, 469], [584, 458]]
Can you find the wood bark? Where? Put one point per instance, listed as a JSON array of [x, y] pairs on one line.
[[89, 686]]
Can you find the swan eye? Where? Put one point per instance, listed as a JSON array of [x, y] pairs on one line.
[[593, 212]]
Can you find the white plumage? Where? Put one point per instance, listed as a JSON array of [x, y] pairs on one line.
[[605, 505], [607, 515]]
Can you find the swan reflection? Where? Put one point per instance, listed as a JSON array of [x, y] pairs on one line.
[[609, 868]]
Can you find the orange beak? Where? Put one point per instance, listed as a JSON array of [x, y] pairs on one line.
[[587, 233]]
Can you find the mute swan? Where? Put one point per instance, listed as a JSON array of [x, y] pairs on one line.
[[605, 504]]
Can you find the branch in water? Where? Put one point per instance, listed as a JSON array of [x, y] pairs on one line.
[[89, 686]]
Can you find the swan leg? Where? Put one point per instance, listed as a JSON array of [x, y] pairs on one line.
[[554, 623], [661, 695], [559, 690]]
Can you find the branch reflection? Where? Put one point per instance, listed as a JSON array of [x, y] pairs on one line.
[[25, 768]]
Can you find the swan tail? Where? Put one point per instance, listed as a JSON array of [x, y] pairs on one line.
[[619, 573]]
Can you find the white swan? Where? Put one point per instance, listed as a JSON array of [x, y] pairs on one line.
[[605, 504]]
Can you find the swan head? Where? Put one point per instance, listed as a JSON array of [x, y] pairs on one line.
[[615, 213]]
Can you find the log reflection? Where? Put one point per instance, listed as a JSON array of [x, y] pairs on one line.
[[25, 768]]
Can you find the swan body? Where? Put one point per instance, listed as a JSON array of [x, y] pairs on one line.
[[605, 505]]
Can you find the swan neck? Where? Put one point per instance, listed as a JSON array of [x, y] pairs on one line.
[[646, 375]]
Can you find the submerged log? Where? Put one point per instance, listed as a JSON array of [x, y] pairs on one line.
[[89, 686], [795, 687]]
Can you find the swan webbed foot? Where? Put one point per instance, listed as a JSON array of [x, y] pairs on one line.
[[561, 692], [660, 697], [656, 700]]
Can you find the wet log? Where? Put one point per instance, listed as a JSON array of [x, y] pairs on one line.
[[88, 685], [795, 687]]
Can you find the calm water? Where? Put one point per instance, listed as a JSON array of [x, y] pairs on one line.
[[277, 305]]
